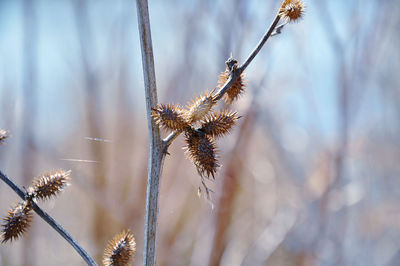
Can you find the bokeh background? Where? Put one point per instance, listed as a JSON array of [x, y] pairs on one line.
[[309, 176]]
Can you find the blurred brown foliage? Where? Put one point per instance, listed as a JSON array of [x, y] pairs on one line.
[[309, 176]]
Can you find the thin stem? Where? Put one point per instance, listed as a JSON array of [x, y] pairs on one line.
[[260, 44], [168, 140], [278, 29], [156, 154], [50, 221], [234, 74]]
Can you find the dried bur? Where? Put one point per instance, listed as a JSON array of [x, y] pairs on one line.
[[19, 218], [50, 184], [201, 150], [200, 140], [170, 117], [120, 250], [200, 107], [238, 86], [292, 10], [218, 124], [202, 125], [17, 221], [3, 135]]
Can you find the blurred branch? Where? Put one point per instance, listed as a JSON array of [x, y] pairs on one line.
[[156, 154], [230, 187], [344, 101], [94, 118], [48, 219], [234, 74], [29, 102], [271, 237]]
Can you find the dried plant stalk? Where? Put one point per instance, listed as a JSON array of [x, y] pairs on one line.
[[157, 150], [120, 250], [17, 221]]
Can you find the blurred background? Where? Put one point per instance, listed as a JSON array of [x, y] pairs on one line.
[[309, 176]]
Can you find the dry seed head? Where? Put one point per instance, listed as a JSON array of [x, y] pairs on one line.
[[206, 161], [202, 152], [192, 139], [219, 124], [120, 250], [3, 135], [17, 221], [169, 116], [200, 107], [50, 184], [292, 10], [236, 89]]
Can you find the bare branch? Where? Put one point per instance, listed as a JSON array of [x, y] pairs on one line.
[[259, 45], [48, 219], [234, 74]]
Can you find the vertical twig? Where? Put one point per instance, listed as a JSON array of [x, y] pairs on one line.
[[156, 154], [230, 186], [343, 98]]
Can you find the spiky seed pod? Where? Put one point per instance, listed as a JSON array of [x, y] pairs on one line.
[[235, 90], [170, 117], [192, 139], [292, 10], [3, 135], [200, 107], [218, 124], [206, 161], [201, 150], [17, 221], [50, 184], [120, 250]]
